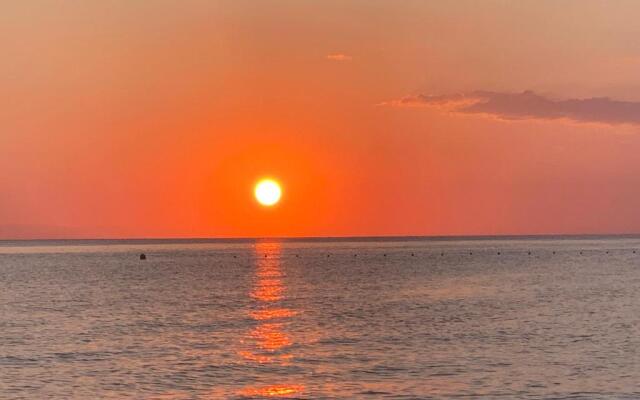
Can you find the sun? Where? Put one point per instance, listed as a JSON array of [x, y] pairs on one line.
[[267, 192]]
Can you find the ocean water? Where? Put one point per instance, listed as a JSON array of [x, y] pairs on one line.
[[354, 319]]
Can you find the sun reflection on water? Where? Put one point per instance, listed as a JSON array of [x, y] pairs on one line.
[[268, 342], [273, 391]]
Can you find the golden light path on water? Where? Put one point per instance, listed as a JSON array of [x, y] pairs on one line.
[[268, 342]]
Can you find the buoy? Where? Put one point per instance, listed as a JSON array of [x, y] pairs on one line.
[[528, 252], [413, 255], [143, 256], [385, 255], [498, 253]]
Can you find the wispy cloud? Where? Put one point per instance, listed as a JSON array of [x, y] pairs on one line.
[[339, 57], [529, 105]]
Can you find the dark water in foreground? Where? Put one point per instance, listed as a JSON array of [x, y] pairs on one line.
[[313, 320]]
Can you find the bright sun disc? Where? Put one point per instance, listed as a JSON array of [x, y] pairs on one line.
[[267, 192]]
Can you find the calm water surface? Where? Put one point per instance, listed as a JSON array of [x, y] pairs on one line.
[[413, 319]]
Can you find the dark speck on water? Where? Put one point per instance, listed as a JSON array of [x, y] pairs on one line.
[[252, 320]]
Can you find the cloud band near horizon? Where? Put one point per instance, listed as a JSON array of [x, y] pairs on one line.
[[529, 105]]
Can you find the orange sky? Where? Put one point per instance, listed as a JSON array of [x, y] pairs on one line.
[[155, 118]]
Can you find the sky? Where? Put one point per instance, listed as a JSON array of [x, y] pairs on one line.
[[124, 119]]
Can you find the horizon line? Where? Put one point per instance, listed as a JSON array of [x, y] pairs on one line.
[[335, 238]]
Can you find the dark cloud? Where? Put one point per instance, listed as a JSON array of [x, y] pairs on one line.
[[529, 105]]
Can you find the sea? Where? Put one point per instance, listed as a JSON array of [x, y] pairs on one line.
[[344, 318]]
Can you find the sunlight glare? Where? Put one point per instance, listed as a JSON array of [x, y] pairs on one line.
[[268, 192]]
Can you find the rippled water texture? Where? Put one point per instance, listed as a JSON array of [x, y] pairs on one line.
[[396, 319]]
